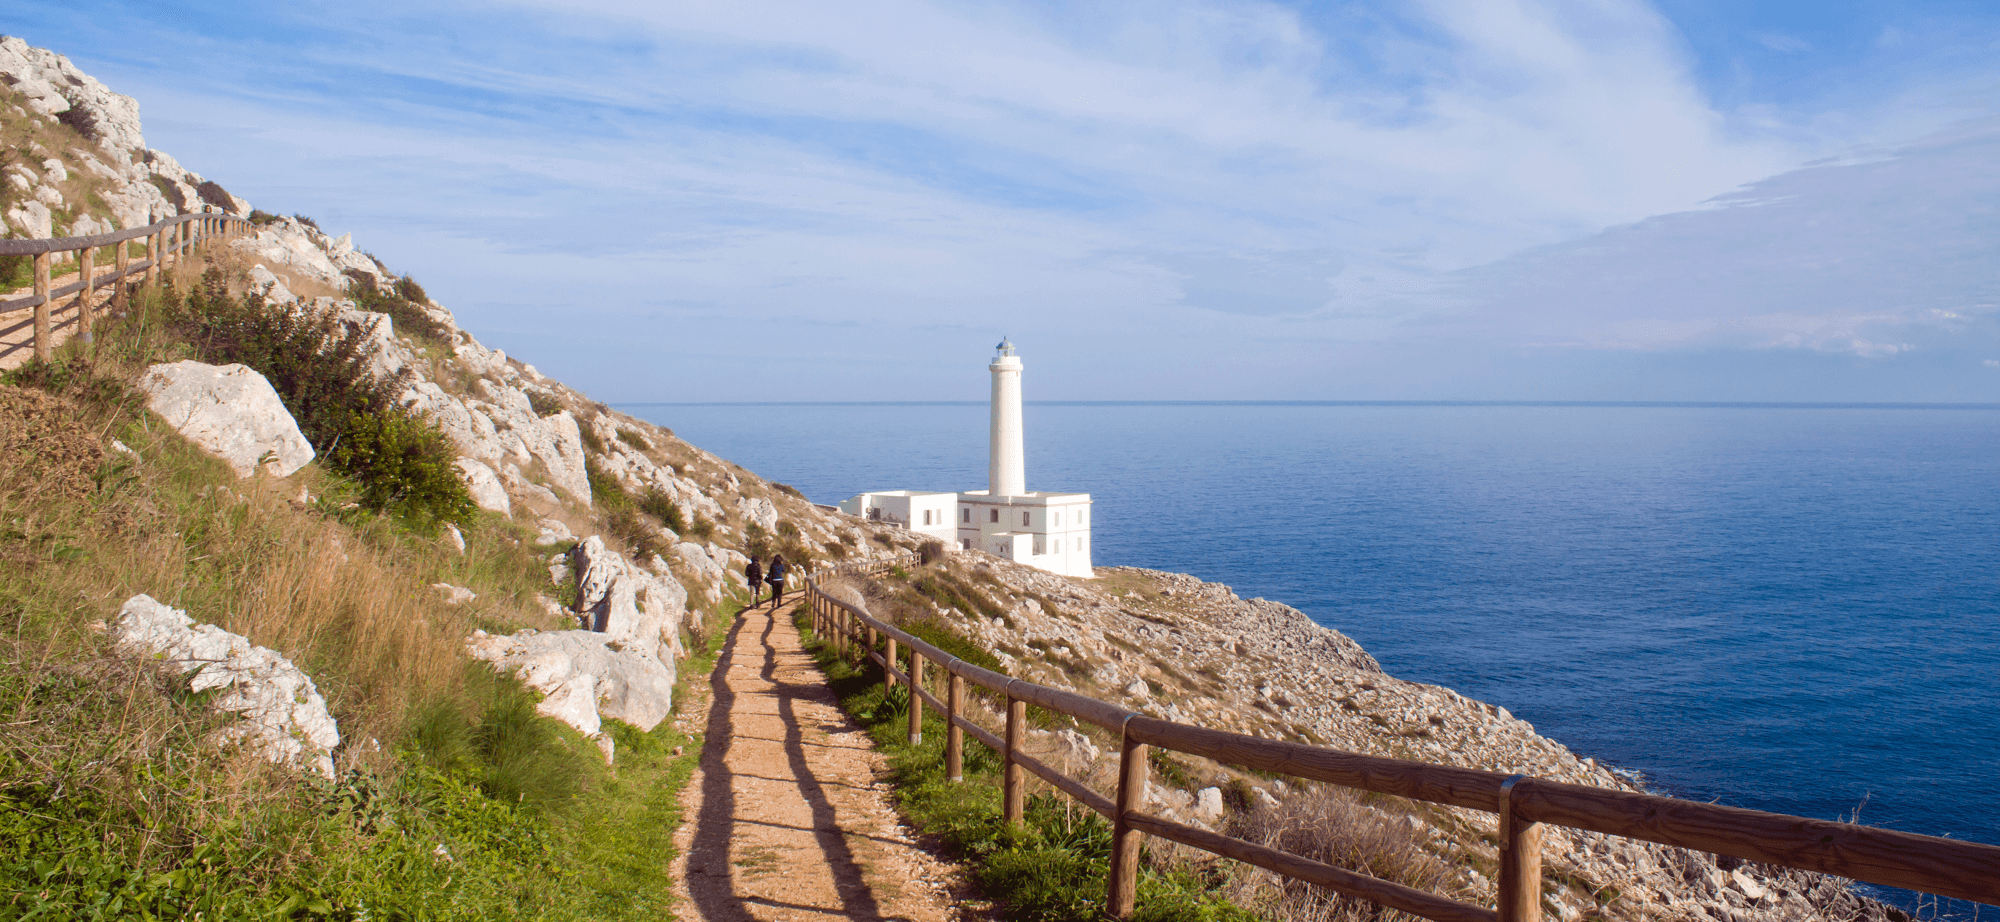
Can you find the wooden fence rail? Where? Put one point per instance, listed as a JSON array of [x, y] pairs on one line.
[[1946, 867], [164, 240]]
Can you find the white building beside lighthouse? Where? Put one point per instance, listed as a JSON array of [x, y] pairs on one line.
[[1040, 529]]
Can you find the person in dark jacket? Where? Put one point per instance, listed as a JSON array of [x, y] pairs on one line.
[[776, 577], [755, 574]]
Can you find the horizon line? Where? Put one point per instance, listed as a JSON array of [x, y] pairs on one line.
[[1642, 404]]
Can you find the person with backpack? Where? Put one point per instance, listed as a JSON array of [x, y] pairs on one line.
[[776, 577], [755, 574]]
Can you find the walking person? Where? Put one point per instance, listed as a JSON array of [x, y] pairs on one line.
[[776, 577], [755, 574]]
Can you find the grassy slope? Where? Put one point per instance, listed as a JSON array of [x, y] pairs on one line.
[[455, 801]]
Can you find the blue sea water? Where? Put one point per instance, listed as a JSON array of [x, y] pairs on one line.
[[1793, 609]]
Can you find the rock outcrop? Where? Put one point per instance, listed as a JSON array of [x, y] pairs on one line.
[[284, 718], [231, 412], [116, 181], [620, 665]]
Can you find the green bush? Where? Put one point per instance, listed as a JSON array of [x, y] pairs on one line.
[[659, 505], [403, 465], [408, 289], [408, 314]]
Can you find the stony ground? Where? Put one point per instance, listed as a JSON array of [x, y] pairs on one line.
[[1176, 647], [787, 817]]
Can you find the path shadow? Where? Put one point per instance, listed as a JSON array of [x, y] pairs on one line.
[[710, 877]]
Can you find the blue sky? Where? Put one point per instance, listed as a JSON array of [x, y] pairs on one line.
[[1163, 200]]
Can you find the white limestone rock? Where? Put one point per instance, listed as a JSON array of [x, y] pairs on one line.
[[485, 487], [32, 219], [553, 531], [52, 85], [759, 511], [455, 595], [585, 675], [1208, 804], [284, 716], [636, 608], [231, 412], [263, 280]]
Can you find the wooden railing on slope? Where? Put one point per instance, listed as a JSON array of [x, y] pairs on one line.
[[164, 240], [1946, 867]]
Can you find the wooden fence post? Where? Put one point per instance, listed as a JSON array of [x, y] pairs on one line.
[[954, 737], [1520, 885], [118, 288], [87, 295], [889, 667], [1010, 773], [153, 258], [916, 701], [1125, 840], [44, 344]]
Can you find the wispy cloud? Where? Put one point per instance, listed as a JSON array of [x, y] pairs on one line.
[[737, 192], [1788, 44]]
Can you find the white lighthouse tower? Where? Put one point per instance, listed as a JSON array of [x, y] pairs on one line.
[[1046, 530], [1006, 471]]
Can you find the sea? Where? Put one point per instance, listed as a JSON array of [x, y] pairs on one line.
[[1793, 608]]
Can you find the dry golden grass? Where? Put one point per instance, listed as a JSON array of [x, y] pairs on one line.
[[1333, 825], [346, 595]]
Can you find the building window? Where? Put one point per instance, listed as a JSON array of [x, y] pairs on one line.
[[1058, 520], [1041, 545], [1024, 520], [927, 516], [1058, 545], [966, 517], [966, 543], [996, 515]]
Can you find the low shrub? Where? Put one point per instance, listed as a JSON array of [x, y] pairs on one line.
[[656, 503], [634, 439], [350, 415], [404, 466], [545, 404], [406, 313], [408, 289]]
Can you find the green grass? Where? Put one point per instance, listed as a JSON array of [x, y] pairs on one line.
[[1051, 869], [455, 800]]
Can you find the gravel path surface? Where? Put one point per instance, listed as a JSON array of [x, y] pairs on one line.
[[788, 817]]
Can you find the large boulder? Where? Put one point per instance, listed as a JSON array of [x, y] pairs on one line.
[[759, 511], [231, 412], [284, 718], [638, 609], [584, 676], [485, 486]]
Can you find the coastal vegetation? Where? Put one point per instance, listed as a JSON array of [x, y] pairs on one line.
[[454, 799]]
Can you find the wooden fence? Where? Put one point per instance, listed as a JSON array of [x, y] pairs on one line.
[[164, 240], [1946, 867]]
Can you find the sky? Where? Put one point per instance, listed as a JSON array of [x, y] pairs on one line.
[[1160, 200]]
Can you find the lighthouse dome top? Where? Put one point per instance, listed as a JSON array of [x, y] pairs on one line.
[[1006, 346]]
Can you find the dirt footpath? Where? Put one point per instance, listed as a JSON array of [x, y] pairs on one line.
[[787, 820]]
